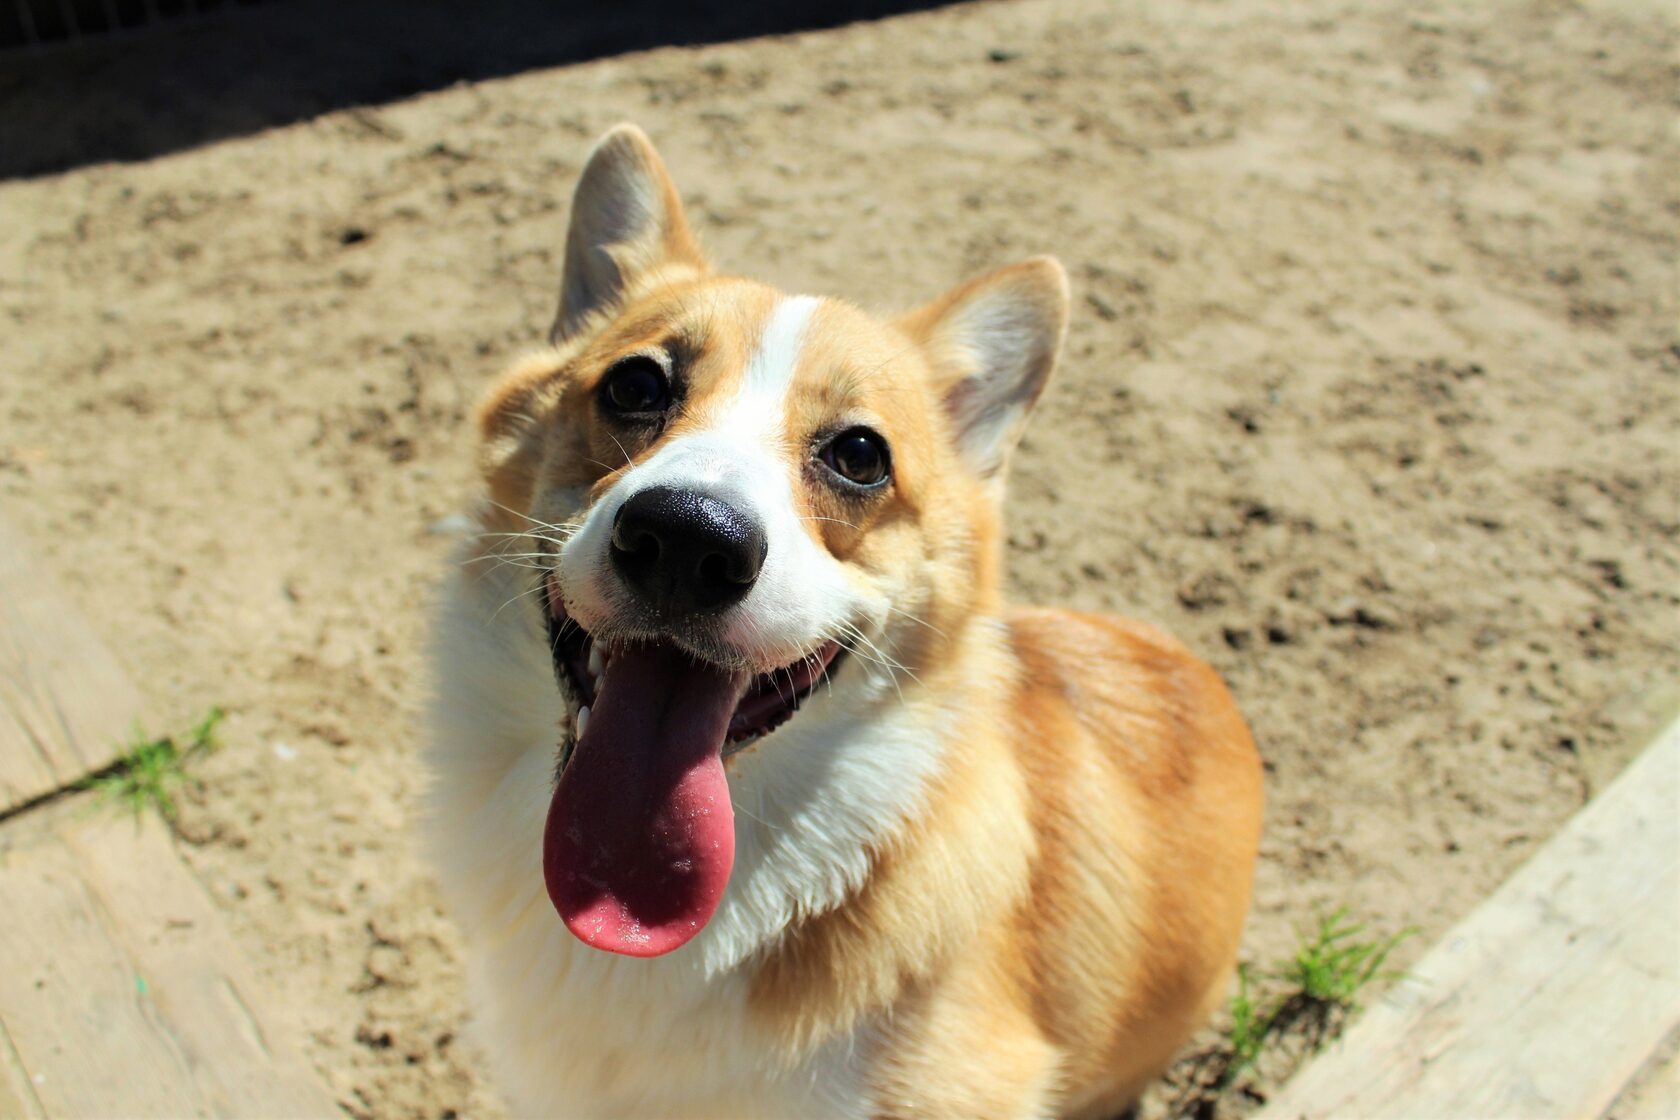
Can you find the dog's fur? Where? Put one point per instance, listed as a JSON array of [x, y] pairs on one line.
[[998, 866]]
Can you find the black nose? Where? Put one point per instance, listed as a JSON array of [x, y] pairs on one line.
[[686, 552]]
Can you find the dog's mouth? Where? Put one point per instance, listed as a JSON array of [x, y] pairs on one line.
[[640, 837], [770, 700]]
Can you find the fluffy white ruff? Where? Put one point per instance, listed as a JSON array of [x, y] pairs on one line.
[[571, 1030]]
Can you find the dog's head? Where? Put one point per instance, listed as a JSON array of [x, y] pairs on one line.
[[738, 497]]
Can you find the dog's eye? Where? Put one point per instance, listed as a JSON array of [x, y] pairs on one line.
[[858, 455], [636, 384]]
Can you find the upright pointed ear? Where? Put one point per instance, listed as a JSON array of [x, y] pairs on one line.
[[993, 343], [627, 222]]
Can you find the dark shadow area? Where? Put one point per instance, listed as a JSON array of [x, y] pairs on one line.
[[193, 79]]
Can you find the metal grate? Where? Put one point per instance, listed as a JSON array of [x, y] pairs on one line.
[[33, 24]]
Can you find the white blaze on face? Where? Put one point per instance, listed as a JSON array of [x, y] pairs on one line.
[[745, 457], [759, 411]]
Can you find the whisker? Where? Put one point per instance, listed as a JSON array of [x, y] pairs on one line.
[[628, 461], [520, 595], [916, 620], [517, 513], [878, 656], [836, 520], [742, 809]]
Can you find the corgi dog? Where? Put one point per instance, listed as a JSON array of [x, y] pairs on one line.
[[749, 794]]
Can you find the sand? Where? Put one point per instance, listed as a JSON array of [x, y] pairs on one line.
[[1372, 394]]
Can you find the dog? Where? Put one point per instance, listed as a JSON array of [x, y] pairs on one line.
[[749, 794]]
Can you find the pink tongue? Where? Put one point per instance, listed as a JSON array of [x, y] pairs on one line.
[[641, 835]]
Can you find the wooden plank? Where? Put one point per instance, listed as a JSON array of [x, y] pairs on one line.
[[66, 706], [1548, 999], [122, 994], [1661, 1100], [1655, 1093]]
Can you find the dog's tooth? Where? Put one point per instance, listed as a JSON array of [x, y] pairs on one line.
[[582, 720], [596, 661]]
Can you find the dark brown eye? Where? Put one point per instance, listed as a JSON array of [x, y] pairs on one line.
[[636, 384], [859, 456]]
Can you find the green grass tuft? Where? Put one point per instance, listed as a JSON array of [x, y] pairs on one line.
[[149, 772], [1246, 1036], [1333, 967], [1313, 994]]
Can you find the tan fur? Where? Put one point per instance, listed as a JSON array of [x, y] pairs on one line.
[[1065, 908], [1063, 981]]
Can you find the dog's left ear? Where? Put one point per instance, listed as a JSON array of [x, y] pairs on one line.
[[993, 343], [627, 224]]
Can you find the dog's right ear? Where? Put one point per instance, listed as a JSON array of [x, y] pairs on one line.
[[627, 224]]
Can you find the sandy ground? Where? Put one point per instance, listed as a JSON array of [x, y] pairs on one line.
[[1372, 394]]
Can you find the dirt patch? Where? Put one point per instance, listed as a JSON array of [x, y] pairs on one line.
[[1372, 394]]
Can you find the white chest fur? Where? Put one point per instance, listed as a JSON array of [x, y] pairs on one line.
[[574, 1031]]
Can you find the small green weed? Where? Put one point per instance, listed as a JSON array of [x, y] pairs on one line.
[[1247, 1034], [152, 769], [1321, 985], [1332, 967]]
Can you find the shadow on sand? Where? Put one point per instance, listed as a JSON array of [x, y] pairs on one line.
[[191, 81]]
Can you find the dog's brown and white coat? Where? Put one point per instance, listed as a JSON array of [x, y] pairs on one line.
[[750, 795]]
